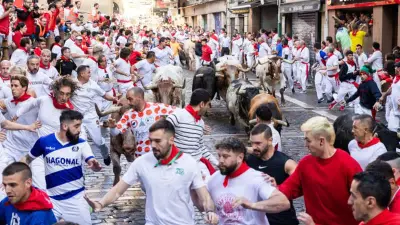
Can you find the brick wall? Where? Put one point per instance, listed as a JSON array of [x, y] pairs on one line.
[[304, 25]]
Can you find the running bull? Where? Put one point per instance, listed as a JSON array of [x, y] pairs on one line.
[[227, 71], [205, 78], [344, 124], [168, 86], [268, 70], [122, 144], [238, 99], [272, 102]]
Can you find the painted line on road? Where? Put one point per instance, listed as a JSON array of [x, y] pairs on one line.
[[307, 106], [102, 190]]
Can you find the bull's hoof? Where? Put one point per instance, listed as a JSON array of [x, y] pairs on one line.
[[283, 103]]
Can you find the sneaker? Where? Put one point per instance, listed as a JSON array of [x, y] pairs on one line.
[[341, 108], [330, 100], [303, 92], [321, 100], [293, 90], [332, 105], [107, 161]]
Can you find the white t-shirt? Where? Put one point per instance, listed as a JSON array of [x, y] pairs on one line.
[[77, 28], [75, 49], [264, 50], [361, 60], [123, 66], [376, 60], [286, 52], [122, 41], [331, 62], [103, 74], [162, 55], [51, 72], [366, 155], [83, 98], [39, 82], [56, 50], [93, 68], [5, 91], [19, 58], [167, 188], [394, 99], [250, 185], [145, 69], [20, 141], [68, 43]]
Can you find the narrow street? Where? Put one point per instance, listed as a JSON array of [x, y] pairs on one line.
[[130, 208]]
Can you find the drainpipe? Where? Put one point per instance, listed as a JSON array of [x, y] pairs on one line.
[[279, 18], [326, 20]]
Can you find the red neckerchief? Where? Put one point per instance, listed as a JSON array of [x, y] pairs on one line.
[[21, 98], [354, 32], [174, 152], [5, 78], [65, 59], [126, 60], [38, 200], [285, 46], [352, 63], [397, 60], [44, 66], [24, 49], [330, 55], [368, 79], [103, 68], [195, 114], [92, 58], [396, 79], [56, 44], [57, 105], [79, 46], [242, 168], [374, 141]]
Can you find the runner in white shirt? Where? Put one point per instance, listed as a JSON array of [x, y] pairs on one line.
[[145, 69], [65, 153], [320, 77], [264, 49], [77, 26], [56, 49], [295, 66], [38, 81], [123, 71], [240, 193], [376, 62], [287, 64], [361, 59], [237, 50], [20, 56], [163, 53], [5, 74], [365, 147], [225, 44], [18, 143], [166, 170], [77, 54], [106, 82], [45, 65], [304, 65], [332, 71], [122, 40], [91, 61], [83, 101], [71, 40]]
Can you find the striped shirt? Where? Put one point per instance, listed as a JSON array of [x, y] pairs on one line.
[[189, 135], [63, 165]]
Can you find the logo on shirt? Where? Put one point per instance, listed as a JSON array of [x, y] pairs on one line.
[[180, 171], [225, 210], [62, 161], [262, 167], [50, 148], [75, 148], [15, 220]]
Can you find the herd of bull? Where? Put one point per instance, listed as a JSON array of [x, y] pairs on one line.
[[226, 80]]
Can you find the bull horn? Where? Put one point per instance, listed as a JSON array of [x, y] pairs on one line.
[[179, 86], [150, 87], [253, 121], [398, 134], [219, 75], [199, 75], [240, 91], [280, 122], [240, 68], [113, 109]]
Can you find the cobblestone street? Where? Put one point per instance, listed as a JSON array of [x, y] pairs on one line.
[[130, 208]]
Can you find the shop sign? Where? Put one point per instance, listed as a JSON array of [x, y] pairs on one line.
[[240, 11], [344, 2], [300, 7]]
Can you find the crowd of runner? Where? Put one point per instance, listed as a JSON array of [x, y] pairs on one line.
[[56, 68]]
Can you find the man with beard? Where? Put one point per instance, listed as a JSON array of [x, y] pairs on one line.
[[45, 65], [189, 129], [239, 192], [274, 163], [64, 153], [142, 115], [170, 179], [163, 53], [84, 100], [28, 14], [38, 80]]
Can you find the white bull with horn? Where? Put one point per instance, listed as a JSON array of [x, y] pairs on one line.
[[168, 86], [227, 71], [268, 70]]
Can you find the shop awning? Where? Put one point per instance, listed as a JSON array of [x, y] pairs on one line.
[[244, 7], [304, 6]]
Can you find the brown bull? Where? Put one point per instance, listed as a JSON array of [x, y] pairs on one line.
[[227, 72], [168, 93], [273, 105], [122, 144]]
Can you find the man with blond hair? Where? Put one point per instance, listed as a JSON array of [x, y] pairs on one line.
[[323, 177]]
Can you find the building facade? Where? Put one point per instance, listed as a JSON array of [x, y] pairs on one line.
[[207, 14], [384, 23]]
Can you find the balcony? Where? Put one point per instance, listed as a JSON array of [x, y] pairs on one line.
[[196, 2]]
